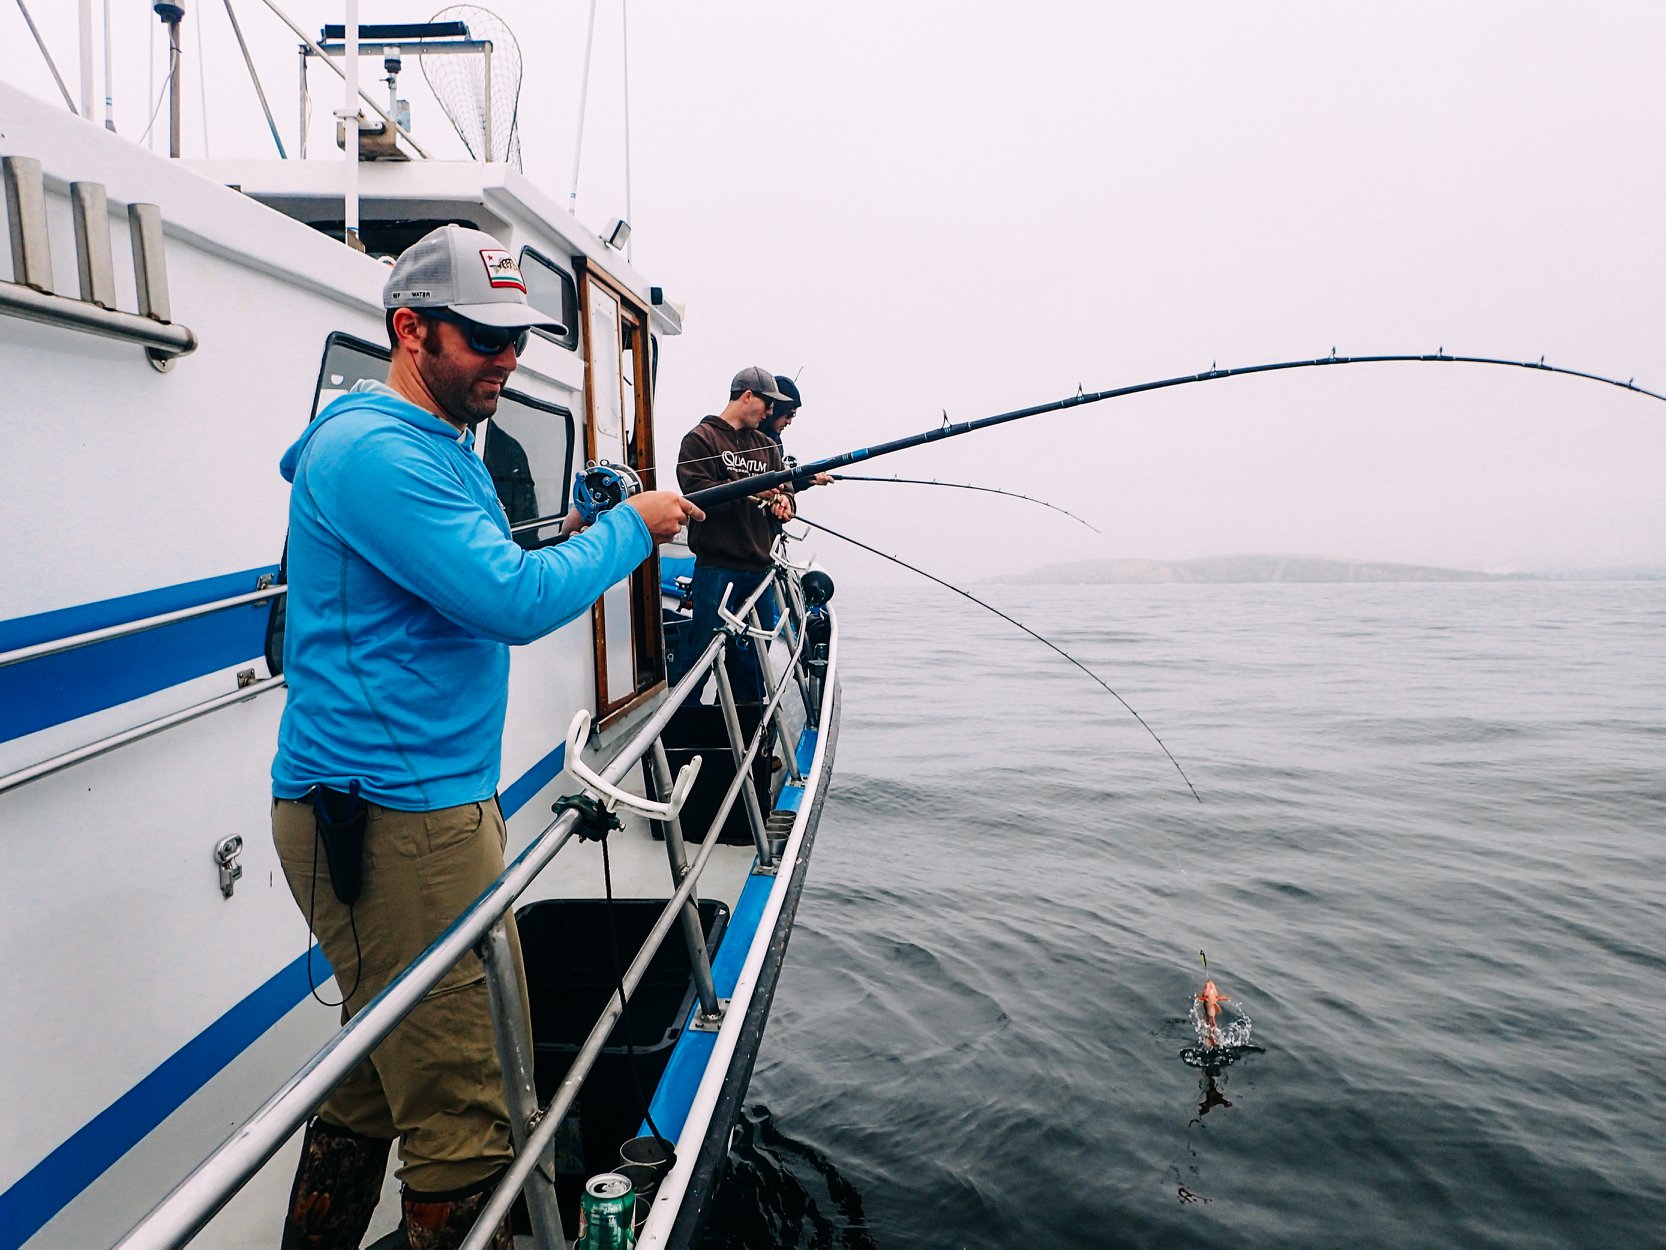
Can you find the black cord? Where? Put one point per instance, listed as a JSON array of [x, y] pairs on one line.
[[353, 922], [624, 1010]]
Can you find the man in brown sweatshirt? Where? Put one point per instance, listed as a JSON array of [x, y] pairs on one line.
[[732, 545]]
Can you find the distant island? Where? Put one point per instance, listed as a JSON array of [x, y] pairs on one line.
[[1216, 570]]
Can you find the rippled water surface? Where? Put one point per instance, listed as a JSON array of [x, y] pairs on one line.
[[1429, 868]]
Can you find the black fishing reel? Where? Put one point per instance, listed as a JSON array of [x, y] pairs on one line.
[[601, 486]]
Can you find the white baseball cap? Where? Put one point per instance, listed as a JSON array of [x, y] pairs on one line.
[[468, 272]]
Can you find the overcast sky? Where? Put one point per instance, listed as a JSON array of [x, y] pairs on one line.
[[970, 207]]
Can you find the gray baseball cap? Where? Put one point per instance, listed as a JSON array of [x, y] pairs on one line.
[[758, 380], [467, 271]]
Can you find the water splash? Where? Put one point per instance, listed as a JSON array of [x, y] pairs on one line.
[[1232, 1033]]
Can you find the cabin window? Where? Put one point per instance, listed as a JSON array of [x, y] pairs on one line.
[[529, 453], [551, 290], [527, 446], [347, 361]]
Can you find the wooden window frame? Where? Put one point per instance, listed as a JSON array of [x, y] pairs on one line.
[[647, 633]]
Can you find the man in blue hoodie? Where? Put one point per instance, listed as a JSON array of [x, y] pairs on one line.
[[405, 593]]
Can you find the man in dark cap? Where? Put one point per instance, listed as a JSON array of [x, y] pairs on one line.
[[775, 425], [732, 545]]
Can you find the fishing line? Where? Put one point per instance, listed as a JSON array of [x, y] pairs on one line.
[[1020, 624], [714, 495], [993, 490]]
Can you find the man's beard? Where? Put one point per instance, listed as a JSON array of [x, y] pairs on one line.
[[453, 389]]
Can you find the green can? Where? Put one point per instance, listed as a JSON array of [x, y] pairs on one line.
[[605, 1214]]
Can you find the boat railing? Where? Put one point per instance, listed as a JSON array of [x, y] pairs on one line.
[[481, 928], [248, 683]]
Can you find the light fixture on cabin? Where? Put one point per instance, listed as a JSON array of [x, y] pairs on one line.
[[619, 234]]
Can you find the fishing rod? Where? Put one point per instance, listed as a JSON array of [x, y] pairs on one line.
[[993, 490], [1020, 624], [712, 496]]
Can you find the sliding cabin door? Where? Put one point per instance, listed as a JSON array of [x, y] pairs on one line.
[[630, 649]]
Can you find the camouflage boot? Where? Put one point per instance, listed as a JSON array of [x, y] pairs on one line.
[[336, 1188], [441, 1221]]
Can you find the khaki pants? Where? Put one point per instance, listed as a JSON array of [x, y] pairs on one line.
[[434, 1082]]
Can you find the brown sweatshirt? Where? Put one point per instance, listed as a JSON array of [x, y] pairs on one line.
[[735, 535]]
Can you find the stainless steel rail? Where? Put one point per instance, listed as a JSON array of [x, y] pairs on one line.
[[57, 763], [188, 1208], [60, 310], [73, 641], [92, 750]]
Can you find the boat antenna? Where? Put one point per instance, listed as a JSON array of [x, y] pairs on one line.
[[202, 89], [170, 85], [583, 101], [625, 48], [109, 74], [993, 490], [85, 31], [172, 13], [1020, 624], [727, 491]]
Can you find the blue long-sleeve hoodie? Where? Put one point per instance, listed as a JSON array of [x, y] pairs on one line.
[[405, 590]]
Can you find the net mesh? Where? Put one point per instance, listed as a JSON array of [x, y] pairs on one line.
[[431, 272], [459, 84]]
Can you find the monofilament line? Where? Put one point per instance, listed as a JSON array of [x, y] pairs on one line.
[[1020, 624]]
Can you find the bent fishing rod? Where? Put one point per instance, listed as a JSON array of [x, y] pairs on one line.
[[712, 496], [815, 525]]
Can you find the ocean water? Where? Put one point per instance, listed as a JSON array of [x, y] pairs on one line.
[[1428, 870]]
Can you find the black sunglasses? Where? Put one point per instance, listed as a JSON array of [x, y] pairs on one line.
[[487, 340]]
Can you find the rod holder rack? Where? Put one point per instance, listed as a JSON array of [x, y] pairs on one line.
[[31, 295]]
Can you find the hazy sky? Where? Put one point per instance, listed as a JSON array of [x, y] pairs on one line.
[[973, 207]]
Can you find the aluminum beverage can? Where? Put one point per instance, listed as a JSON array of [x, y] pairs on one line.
[[604, 1214]]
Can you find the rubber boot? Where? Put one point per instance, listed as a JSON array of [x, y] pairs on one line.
[[336, 1189], [441, 1221]]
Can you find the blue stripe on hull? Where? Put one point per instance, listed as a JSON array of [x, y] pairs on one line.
[[674, 1096], [38, 694], [57, 1180], [524, 788]]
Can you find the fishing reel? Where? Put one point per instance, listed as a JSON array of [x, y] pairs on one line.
[[603, 485]]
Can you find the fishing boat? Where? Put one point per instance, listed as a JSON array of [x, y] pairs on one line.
[[166, 329]]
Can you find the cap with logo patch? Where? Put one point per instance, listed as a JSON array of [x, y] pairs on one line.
[[758, 380], [470, 273]]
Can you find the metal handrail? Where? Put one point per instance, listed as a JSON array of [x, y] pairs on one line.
[[543, 1133], [165, 339], [73, 641], [57, 763], [189, 1206]]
